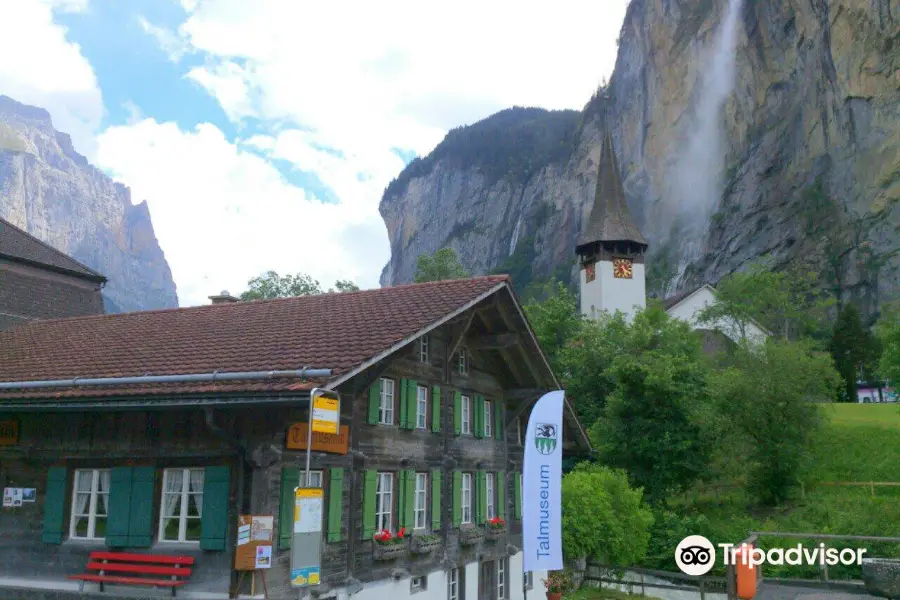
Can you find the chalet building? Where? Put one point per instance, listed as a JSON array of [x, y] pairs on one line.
[[436, 381], [40, 282]]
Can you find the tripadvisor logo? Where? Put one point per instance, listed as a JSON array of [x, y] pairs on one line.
[[545, 438], [695, 555]]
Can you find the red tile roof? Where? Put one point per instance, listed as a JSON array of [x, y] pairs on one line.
[[331, 331], [18, 244]]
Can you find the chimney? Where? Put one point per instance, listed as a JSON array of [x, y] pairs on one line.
[[223, 298]]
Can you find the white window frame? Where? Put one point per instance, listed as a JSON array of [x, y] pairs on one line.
[[490, 503], [466, 416], [453, 585], [462, 361], [488, 419], [502, 571], [424, 346], [183, 518], [420, 492], [384, 501], [421, 407], [92, 515], [519, 429], [465, 498], [528, 580], [387, 401], [418, 584]]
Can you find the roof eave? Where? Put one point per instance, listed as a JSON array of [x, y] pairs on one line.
[[145, 403]]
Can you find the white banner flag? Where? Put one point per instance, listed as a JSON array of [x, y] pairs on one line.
[[541, 483]]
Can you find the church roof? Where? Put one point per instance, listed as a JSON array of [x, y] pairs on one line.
[[610, 219]]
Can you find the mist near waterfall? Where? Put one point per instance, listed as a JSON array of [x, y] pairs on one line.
[[697, 179]]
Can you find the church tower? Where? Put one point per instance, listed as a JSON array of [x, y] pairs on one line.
[[611, 249]]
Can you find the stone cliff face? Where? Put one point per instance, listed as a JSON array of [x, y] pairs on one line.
[[49, 190], [811, 166]]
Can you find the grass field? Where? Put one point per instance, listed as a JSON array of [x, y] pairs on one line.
[[588, 593], [859, 443]]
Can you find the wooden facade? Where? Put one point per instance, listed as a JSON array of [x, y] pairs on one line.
[[241, 454]]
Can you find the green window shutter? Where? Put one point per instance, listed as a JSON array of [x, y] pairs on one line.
[[436, 401], [518, 484], [216, 493], [119, 507], [479, 416], [369, 485], [290, 479], [374, 402], [501, 494], [140, 525], [435, 500], [335, 504], [404, 404], [479, 497], [498, 420], [457, 498], [54, 505], [412, 403], [410, 502], [457, 412], [400, 492]]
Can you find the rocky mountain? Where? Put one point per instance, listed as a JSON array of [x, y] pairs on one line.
[[51, 191], [744, 129]]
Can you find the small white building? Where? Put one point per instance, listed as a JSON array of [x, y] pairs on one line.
[[687, 306]]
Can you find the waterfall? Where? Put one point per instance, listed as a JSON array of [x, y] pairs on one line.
[[697, 182]]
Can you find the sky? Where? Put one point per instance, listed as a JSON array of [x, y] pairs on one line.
[[262, 133]]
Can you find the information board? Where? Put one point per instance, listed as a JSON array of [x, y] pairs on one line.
[[306, 544], [254, 543], [326, 415]]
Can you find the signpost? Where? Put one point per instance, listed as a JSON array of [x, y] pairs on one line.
[[306, 540]]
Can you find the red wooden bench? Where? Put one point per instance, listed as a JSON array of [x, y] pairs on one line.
[[111, 567]]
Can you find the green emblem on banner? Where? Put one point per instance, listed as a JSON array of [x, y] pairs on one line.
[[545, 438]]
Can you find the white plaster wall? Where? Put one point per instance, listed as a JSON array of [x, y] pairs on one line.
[[688, 309], [606, 292], [436, 588]]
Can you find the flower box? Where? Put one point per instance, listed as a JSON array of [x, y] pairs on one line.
[[388, 551], [470, 536], [495, 533], [425, 544]]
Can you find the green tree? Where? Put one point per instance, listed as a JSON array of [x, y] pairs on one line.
[[889, 336], [789, 303], [272, 285], [853, 349], [556, 321], [651, 422], [769, 398], [443, 264], [345, 285], [603, 518]]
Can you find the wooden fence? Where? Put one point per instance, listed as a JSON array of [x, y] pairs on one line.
[[715, 487]]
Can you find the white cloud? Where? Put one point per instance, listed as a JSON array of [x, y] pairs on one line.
[[39, 66], [224, 215], [171, 43]]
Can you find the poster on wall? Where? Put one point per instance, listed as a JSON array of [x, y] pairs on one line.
[[263, 557], [7, 497], [17, 497], [28, 495]]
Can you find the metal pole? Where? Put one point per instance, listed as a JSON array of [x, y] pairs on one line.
[[312, 397]]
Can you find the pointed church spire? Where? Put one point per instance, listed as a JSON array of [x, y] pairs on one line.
[[610, 219]]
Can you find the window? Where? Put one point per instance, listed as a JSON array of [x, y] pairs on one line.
[[502, 570], [90, 501], [454, 587], [182, 504], [386, 411], [488, 419], [418, 584], [528, 581], [315, 479], [421, 500], [384, 501], [489, 495], [466, 418], [421, 406], [423, 349], [466, 499], [519, 429], [462, 362]]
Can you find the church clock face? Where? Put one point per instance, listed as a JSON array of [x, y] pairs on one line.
[[622, 268]]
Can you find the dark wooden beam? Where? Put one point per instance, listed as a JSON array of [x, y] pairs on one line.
[[525, 393], [511, 325], [495, 341], [459, 334]]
